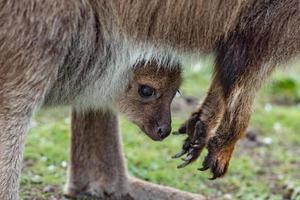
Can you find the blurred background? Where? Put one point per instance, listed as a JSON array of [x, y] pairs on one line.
[[265, 164]]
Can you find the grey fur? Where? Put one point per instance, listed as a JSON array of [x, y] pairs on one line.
[[81, 52]]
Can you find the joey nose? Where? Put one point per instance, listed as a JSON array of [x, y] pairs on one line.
[[164, 131]]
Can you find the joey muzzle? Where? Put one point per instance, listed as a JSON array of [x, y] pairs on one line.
[[157, 132], [159, 128], [164, 130]]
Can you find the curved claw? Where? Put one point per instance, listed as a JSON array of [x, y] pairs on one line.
[[181, 153], [189, 157], [195, 142], [196, 146], [186, 145], [203, 169], [183, 164]]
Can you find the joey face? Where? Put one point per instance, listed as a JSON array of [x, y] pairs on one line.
[[148, 97]]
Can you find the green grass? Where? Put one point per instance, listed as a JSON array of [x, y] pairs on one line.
[[268, 169]]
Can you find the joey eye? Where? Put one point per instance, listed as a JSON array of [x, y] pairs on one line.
[[146, 91]]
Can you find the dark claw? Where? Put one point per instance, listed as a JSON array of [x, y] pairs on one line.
[[183, 164], [206, 163], [216, 174], [214, 166], [219, 172], [196, 146], [185, 148], [181, 153], [192, 155], [186, 145], [195, 142], [189, 157], [203, 169]]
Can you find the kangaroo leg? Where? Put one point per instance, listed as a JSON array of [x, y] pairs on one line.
[[221, 121], [234, 122], [243, 61], [97, 166], [24, 80], [20, 95], [15, 115]]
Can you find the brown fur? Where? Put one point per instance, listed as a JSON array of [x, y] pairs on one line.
[[202, 26], [157, 111], [248, 38], [81, 53], [96, 146]]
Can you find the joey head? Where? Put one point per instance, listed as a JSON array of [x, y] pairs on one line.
[[148, 98]]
